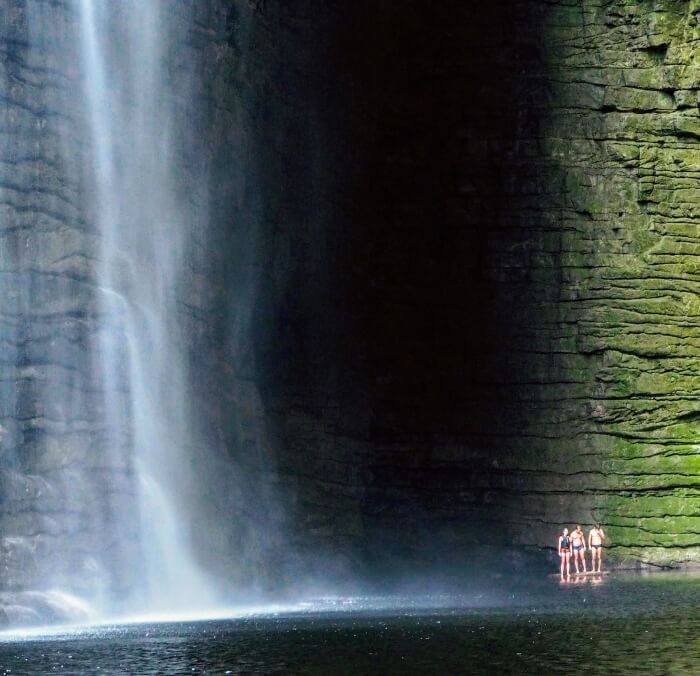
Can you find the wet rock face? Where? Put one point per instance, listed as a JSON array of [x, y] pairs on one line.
[[50, 399], [502, 267], [40, 608], [68, 507], [447, 295]]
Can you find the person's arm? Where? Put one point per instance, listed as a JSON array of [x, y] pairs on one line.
[[589, 538]]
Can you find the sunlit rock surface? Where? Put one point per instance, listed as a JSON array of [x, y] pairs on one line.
[[619, 341]]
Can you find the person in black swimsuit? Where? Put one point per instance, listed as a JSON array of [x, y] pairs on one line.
[[564, 549]]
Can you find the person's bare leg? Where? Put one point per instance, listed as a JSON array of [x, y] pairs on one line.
[[583, 561], [600, 560]]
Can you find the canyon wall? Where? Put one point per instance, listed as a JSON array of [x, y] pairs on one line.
[[445, 303], [51, 431], [502, 267]]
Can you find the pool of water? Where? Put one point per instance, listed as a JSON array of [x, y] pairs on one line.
[[616, 624]]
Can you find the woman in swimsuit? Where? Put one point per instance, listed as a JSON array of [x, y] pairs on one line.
[[564, 549]]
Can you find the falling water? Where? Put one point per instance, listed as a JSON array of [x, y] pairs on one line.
[[116, 444], [140, 212]]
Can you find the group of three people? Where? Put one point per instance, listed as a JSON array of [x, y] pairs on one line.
[[575, 545]]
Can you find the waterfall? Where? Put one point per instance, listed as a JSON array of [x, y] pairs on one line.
[[134, 473], [140, 213]]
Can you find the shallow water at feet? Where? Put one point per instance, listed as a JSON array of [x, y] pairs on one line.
[[617, 624]]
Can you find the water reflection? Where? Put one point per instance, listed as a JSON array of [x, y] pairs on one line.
[[531, 625], [585, 578]]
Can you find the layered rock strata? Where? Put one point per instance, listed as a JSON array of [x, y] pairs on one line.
[[446, 300], [501, 338]]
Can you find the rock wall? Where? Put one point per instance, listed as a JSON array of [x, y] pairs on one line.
[[621, 134], [445, 304], [51, 399], [486, 319]]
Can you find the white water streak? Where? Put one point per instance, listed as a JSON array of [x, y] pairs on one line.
[[143, 239]]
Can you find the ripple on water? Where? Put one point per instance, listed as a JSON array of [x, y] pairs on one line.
[[628, 624]]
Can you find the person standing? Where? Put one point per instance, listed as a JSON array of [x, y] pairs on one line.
[[578, 542], [564, 549], [596, 537]]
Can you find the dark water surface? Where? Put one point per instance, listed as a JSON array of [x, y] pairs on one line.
[[620, 624]]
